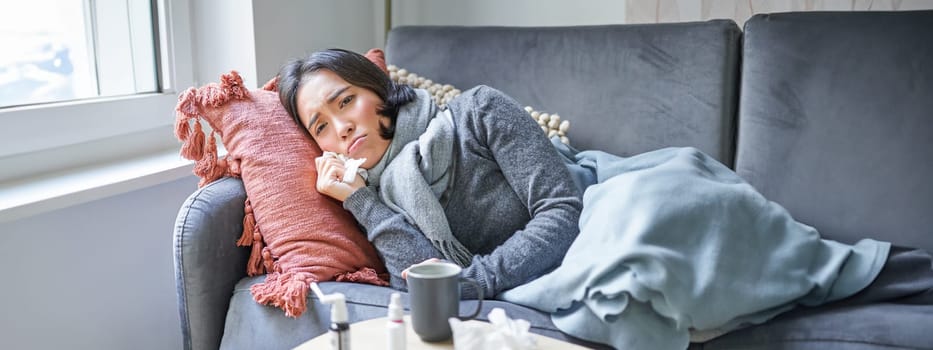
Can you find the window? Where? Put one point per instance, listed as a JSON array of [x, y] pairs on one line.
[[89, 81], [60, 50]]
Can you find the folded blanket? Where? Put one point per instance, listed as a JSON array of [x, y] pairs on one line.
[[673, 242]]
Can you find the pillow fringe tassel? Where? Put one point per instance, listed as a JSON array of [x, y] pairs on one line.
[[255, 266], [287, 291], [186, 111], [249, 224], [252, 237], [232, 85], [268, 263], [209, 168], [364, 275], [189, 131], [193, 148]]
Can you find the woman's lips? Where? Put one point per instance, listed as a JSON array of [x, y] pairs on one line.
[[356, 144]]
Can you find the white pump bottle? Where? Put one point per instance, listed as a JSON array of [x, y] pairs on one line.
[[395, 326]]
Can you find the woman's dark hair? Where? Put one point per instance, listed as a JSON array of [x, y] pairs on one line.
[[355, 69]]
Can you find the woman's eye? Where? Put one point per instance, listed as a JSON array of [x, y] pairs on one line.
[[346, 100], [319, 128]]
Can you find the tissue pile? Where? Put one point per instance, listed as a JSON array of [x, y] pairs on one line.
[[504, 333]]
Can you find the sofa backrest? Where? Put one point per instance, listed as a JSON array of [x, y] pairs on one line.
[[626, 89], [836, 121]]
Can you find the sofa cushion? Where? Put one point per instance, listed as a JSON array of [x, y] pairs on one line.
[[853, 327], [629, 88], [836, 121], [253, 326]]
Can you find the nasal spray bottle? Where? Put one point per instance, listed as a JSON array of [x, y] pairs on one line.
[[395, 326], [339, 327]]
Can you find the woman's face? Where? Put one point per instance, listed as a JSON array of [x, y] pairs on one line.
[[342, 117]]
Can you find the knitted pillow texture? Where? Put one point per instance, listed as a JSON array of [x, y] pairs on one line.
[[296, 234]]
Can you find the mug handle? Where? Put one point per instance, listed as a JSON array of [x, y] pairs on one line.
[[479, 292]]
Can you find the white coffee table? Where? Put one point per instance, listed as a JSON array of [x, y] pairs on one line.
[[371, 335]]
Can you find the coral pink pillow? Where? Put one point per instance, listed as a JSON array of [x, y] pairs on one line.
[[297, 235], [377, 57]]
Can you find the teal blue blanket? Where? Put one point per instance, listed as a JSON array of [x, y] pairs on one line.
[[673, 243]]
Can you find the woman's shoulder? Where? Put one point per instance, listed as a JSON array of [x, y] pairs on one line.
[[480, 98], [484, 110], [482, 92]]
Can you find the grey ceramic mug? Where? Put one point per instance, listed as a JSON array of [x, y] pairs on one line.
[[434, 297]]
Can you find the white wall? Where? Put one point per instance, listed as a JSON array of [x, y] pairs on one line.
[[93, 276], [256, 37], [512, 12], [222, 40], [286, 29]]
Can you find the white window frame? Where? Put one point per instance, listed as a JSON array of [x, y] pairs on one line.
[[54, 131]]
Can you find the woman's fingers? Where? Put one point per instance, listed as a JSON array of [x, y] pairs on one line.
[[323, 163], [330, 169], [329, 173], [405, 271], [330, 178]]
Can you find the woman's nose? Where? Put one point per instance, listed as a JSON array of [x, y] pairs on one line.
[[344, 128]]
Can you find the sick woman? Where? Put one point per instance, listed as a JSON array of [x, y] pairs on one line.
[[651, 251], [494, 196]]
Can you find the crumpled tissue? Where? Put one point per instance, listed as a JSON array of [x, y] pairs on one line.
[[352, 166], [501, 332]]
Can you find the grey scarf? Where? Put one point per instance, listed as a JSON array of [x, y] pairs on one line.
[[417, 170]]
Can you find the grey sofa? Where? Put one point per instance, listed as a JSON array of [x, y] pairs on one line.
[[829, 114]]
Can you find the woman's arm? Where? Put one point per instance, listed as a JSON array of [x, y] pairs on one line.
[[398, 243], [536, 173]]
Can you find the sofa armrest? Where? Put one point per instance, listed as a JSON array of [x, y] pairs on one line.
[[207, 261]]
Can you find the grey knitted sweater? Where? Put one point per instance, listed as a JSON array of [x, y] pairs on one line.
[[512, 203]]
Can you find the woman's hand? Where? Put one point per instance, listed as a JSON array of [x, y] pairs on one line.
[[329, 179], [405, 271]]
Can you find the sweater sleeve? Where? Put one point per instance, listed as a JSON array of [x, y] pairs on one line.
[[398, 243], [535, 172]]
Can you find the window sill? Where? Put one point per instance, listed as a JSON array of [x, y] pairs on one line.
[[23, 198]]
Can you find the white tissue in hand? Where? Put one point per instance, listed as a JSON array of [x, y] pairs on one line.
[[352, 166], [500, 333]]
